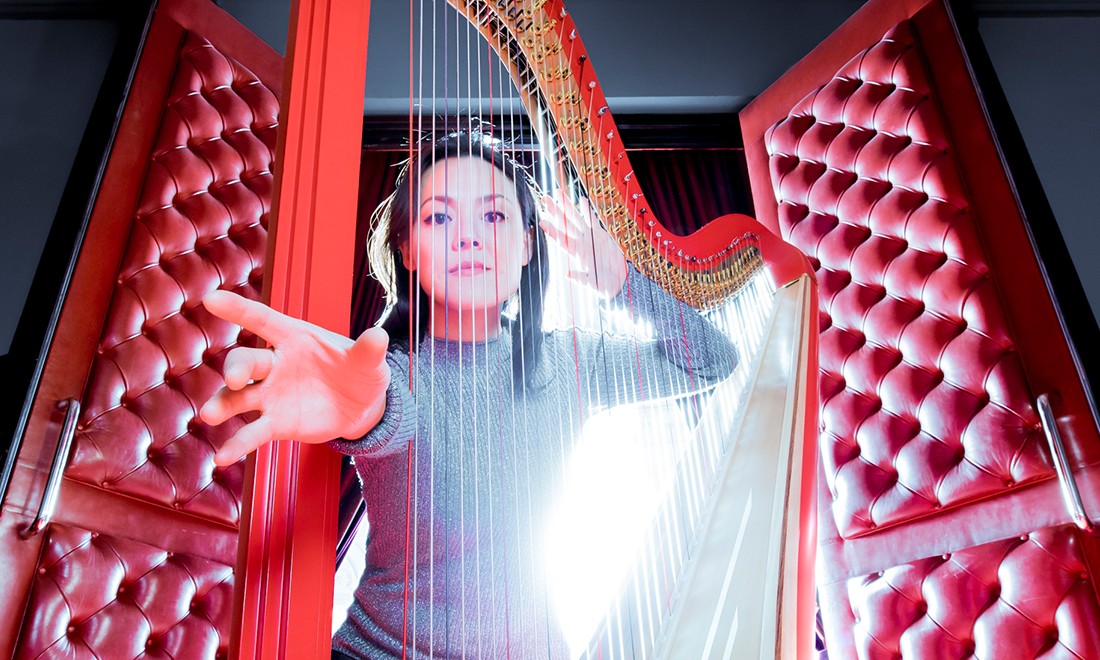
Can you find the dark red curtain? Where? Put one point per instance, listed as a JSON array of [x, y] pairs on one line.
[[687, 188], [377, 177]]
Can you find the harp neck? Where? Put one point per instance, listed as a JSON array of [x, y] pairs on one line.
[[557, 84]]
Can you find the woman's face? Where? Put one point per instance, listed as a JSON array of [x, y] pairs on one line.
[[468, 243]]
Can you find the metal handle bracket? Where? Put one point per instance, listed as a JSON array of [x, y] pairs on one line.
[[1071, 495], [53, 482]]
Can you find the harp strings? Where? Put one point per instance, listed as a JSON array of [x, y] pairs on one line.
[[498, 431]]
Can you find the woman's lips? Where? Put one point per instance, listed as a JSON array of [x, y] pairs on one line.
[[468, 268]]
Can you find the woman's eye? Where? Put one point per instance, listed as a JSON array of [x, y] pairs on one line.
[[437, 219], [494, 217]]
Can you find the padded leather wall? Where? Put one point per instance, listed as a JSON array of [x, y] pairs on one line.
[[1025, 597], [924, 401], [200, 225], [97, 596]]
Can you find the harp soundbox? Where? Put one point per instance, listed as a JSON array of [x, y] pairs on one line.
[[726, 564]]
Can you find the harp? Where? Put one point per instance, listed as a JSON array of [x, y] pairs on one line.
[[751, 518]]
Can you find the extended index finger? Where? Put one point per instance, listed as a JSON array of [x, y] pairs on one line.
[[257, 318]]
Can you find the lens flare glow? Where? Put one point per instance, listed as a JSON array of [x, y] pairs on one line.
[[615, 482]]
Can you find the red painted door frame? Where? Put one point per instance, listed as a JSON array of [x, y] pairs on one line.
[[286, 560]]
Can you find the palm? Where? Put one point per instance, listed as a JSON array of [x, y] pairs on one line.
[[312, 385], [595, 258]]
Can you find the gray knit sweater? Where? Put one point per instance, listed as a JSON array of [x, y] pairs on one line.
[[460, 473]]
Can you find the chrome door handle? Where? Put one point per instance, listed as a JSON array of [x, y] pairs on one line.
[[53, 482], [1071, 495]]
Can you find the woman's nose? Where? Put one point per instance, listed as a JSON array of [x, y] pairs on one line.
[[467, 235]]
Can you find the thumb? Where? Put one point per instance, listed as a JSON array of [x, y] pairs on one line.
[[370, 348]]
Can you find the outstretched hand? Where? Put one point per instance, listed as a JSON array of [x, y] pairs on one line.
[[311, 385], [595, 258]]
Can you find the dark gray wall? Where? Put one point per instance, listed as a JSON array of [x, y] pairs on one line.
[[1050, 71], [51, 75], [651, 55]]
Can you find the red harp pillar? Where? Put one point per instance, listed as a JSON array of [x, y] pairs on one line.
[[288, 536]]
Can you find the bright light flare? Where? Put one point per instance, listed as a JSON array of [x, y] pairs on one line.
[[618, 476]]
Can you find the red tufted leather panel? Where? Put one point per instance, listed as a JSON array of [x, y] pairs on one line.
[[140, 601], [200, 225], [1023, 597], [924, 401]]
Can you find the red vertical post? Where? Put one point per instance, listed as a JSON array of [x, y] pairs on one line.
[[286, 560]]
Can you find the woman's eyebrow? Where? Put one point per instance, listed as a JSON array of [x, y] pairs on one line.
[[437, 198], [448, 200], [495, 198]]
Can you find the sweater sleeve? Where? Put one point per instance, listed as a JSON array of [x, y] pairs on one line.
[[687, 339], [399, 421], [688, 352]]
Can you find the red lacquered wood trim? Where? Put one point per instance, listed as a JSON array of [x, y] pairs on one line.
[[1025, 294], [230, 37], [807, 506], [286, 567], [865, 27]]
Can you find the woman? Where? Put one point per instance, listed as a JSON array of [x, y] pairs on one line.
[[459, 410]]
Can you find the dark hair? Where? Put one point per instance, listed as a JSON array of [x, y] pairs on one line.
[[390, 229]]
